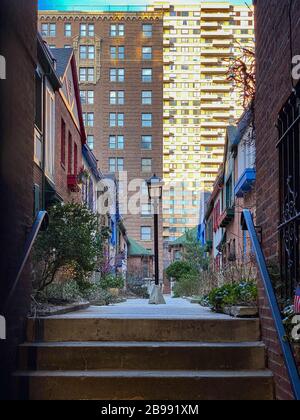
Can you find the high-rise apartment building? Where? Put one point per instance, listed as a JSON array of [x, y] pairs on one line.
[[120, 65], [199, 101]]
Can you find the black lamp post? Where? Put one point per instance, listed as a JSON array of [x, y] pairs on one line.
[[155, 190]]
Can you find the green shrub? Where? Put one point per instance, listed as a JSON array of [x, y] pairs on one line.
[[244, 293], [72, 244], [187, 285], [179, 269], [111, 281]]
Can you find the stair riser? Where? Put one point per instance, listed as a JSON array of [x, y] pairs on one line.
[[213, 331], [154, 388], [139, 358]]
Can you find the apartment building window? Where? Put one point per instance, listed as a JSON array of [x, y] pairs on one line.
[[147, 53], [87, 30], [90, 141], [67, 46], [87, 52], [52, 46], [117, 97], [146, 75], [146, 120], [117, 75], [147, 165], [48, 29], [146, 233], [88, 118], [116, 119], [87, 97], [146, 210], [116, 142], [117, 30], [68, 30], [86, 74], [63, 143], [146, 143], [146, 97], [147, 31], [116, 165], [117, 53]]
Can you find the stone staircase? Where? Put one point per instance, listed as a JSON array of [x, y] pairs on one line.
[[152, 359]]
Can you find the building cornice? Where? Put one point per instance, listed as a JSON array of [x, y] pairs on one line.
[[100, 16]]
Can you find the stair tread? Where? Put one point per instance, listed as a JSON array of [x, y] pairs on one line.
[[132, 344], [150, 374]]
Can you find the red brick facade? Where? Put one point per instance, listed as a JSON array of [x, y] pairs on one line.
[[18, 22], [273, 89]]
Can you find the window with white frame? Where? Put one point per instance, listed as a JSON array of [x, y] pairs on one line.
[[147, 97], [90, 141], [117, 97], [146, 120], [146, 143], [147, 30], [116, 165], [147, 165], [68, 30], [87, 30], [48, 30], [88, 118], [87, 97], [117, 75], [147, 53], [146, 233], [87, 74], [116, 119], [116, 142], [117, 30], [146, 75], [87, 52]]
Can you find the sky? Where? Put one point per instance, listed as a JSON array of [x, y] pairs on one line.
[[98, 4]]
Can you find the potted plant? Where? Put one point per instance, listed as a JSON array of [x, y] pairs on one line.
[[82, 176]]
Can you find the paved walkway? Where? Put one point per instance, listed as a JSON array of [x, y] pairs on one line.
[[139, 308]]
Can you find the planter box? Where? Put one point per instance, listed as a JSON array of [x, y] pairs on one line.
[[52, 310], [242, 311]]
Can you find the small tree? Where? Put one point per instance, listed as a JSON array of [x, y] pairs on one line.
[[194, 254], [73, 242]]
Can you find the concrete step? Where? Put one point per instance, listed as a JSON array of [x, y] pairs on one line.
[[147, 385], [138, 356], [64, 329]]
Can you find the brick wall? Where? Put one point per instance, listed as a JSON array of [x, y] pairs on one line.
[[61, 171], [18, 46], [273, 89]]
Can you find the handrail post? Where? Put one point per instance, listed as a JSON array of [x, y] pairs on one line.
[[285, 345], [40, 221]]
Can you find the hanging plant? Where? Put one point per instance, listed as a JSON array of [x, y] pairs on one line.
[[83, 175]]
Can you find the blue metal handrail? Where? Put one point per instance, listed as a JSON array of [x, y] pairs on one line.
[[285, 345], [41, 222]]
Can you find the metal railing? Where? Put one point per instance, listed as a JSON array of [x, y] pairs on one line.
[[276, 314], [40, 223]]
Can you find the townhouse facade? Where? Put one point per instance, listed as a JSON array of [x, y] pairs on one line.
[[59, 131], [225, 240], [120, 63]]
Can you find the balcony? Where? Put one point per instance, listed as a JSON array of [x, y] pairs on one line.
[[245, 183], [226, 217], [215, 16], [217, 34]]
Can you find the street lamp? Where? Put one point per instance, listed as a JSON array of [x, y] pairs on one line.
[[155, 190]]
